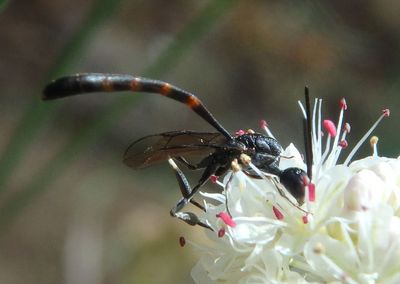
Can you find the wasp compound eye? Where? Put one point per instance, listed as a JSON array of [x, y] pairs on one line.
[[293, 180]]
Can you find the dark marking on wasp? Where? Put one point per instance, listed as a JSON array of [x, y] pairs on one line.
[[217, 150]]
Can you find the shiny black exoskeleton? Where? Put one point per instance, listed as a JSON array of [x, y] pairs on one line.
[[265, 153], [219, 149]]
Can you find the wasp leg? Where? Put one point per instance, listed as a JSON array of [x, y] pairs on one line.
[[191, 219], [184, 186], [209, 171], [203, 163], [188, 217], [222, 170]]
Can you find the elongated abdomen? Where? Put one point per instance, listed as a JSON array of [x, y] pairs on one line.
[[98, 82], [90, 83]]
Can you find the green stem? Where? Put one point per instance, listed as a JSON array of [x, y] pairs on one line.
[[3, 4]]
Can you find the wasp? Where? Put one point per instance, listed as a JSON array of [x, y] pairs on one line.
[[217, 149]]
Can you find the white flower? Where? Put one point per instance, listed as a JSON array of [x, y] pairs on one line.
[[347, 231]]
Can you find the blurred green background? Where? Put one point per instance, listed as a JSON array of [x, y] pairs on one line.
[[70, 211]]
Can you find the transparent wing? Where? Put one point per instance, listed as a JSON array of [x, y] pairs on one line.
[[156, 148]]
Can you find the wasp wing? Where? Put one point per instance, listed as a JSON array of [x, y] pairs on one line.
[[156, 148]]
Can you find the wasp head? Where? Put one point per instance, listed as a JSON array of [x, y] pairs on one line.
[[294, 180]]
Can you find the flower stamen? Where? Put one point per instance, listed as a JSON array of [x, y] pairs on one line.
[[261, 233], [385, 113], [311, 192], [330, 127], [319, 248], [264, 126], [278, 213], [343, 104], [214, 178], [343, 144], [227, 219], [374, 142]]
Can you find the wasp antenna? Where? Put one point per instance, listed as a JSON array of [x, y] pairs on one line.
[[307, 132], [96, 82]]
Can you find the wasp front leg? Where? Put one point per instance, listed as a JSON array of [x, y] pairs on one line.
[[188, 217]]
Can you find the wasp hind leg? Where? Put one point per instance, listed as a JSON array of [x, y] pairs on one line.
[[203, 163], [188, 217]]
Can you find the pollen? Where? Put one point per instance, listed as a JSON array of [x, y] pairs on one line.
[[245, 159], [373, 141], [319, 248], [235, 166], [347, 127]]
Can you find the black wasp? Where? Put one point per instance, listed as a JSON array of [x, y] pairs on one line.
[[218, 149]]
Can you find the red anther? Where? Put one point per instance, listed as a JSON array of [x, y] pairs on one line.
[[311, 192], [240, 132], [386, 112], [278, 214], [343, 144], [182, 241], [306, 180], [305, 219], [347, 127], [227, 219], [343, 103], [330, 127], [263, 123], [214, 178], [221, 233]]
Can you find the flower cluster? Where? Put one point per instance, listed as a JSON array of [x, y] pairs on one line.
[[347, 230]]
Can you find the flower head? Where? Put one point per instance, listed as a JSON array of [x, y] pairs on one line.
[[347, 230]]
